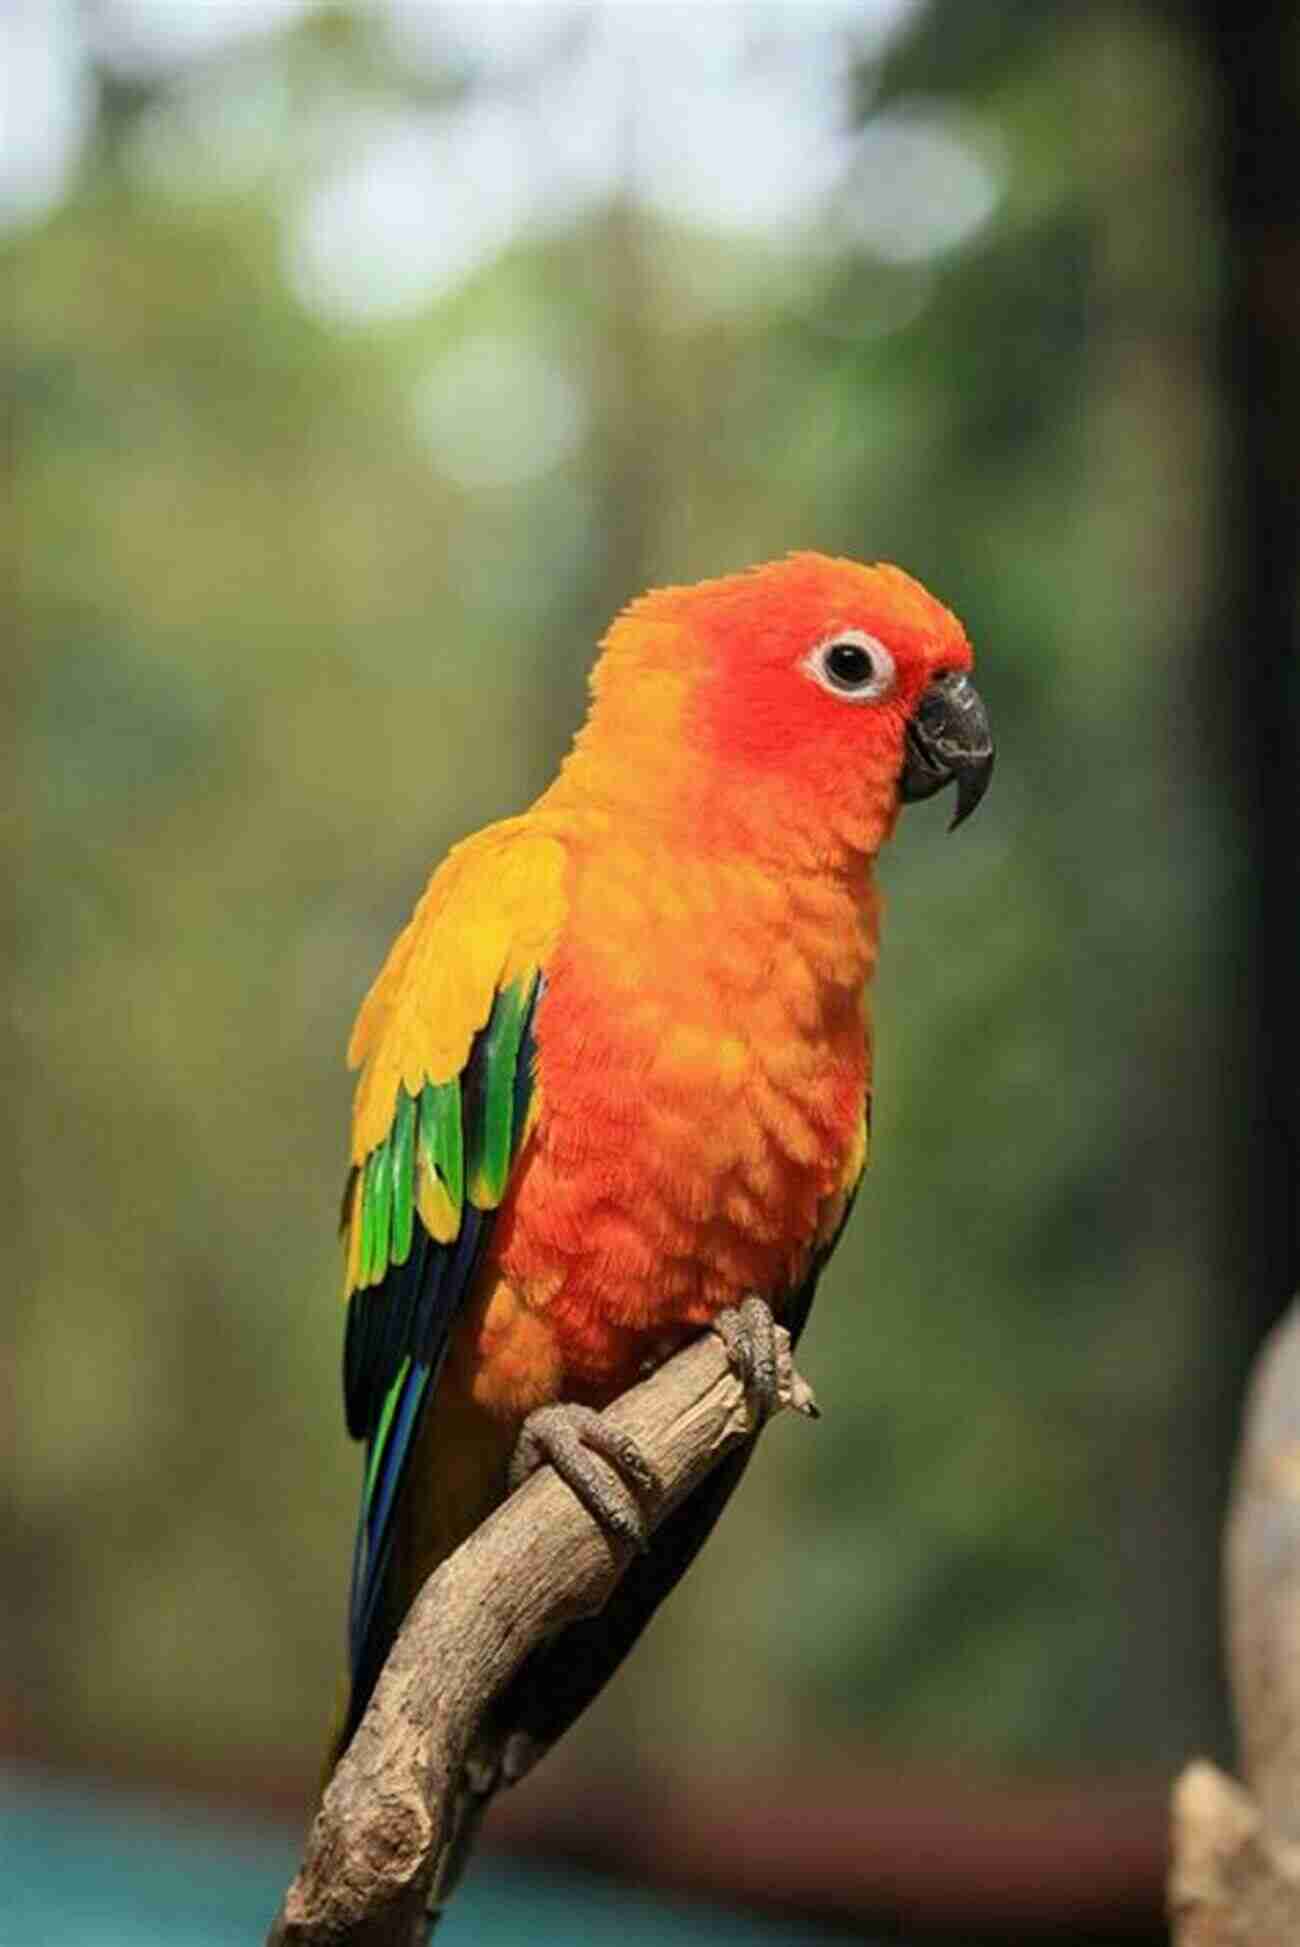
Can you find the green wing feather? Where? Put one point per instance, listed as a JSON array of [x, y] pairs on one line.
[[491, 1125], [402, 1145], [442, 1138]]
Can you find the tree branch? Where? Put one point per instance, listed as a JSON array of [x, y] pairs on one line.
[[538, 1563], [1235, 1880]]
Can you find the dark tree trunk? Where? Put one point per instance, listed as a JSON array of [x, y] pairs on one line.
[[1251, 664]]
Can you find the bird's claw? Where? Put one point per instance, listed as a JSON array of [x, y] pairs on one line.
[[602, 1464], [758, 1352]]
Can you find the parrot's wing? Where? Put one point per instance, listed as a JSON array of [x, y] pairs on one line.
[[561, 1678], [445, 1039]]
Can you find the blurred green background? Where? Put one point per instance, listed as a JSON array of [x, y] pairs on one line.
[[362, 362]]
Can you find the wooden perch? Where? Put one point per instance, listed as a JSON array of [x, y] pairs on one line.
[[1235, 1880], [538, 1563]]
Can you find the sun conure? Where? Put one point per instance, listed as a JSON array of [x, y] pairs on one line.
[[615, 1073]]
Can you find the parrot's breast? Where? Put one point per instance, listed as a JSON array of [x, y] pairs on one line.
[[702, 1071]]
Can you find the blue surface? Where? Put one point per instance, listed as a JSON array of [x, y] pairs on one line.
[[81, 1867]]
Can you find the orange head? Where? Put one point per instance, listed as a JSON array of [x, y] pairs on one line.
[[788, 709]]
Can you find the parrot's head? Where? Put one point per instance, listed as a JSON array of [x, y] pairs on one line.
[[809, 696]]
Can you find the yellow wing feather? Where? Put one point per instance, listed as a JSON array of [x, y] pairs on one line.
[[490, 913]]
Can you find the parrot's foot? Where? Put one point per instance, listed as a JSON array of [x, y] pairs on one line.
[[578, 1442], [760, 1356]]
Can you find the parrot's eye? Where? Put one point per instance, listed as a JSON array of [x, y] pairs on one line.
[[852, 665]]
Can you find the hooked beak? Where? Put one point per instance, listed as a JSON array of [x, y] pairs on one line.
[[948, 738]]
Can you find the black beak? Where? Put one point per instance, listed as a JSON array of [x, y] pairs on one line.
[[948, 738]]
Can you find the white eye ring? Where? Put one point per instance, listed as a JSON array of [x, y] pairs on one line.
[[861, 678]]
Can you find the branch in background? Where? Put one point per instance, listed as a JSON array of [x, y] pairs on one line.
[[1235, 1880], [540, 1562]]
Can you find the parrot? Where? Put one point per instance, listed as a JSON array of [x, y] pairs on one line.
[[615, 1082]]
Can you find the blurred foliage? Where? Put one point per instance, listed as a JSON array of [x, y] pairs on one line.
[[286, 629]]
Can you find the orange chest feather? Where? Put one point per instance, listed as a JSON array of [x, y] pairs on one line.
[[702, 1071]]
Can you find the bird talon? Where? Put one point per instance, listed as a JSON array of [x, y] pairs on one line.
[[575, 1441], [748, 1331], [758, 1352]]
